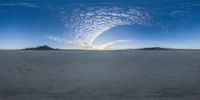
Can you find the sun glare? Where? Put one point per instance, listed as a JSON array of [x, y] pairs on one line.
[[101, 49]]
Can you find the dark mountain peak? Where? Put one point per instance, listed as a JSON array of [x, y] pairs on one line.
[[44, 47], [155, 48]]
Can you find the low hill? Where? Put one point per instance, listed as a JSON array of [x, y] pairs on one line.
[[44, 47], [155, 48]]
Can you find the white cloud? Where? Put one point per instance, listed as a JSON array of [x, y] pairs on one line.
[[91, 21], [33, 5], [178, 13], [107, 45], [8, 4], [22, 4], [55, 38]]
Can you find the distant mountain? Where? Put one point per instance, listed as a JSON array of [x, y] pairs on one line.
[[45, 47], [155, 48]]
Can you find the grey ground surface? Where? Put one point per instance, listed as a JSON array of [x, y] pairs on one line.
[[100, 75]]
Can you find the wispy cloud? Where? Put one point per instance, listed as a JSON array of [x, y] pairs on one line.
[[22, 4], [107, 45], [90, 21], [8, 4], [33, 5], [176, 13], [55, 38]]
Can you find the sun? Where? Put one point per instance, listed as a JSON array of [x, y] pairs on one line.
[[101, 49], [98, 48]]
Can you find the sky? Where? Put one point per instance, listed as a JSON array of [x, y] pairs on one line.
[[100, 24]]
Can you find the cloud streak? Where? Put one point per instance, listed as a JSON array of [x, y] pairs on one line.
[[107, 45], [88, 22], [22, 4], [55, 38]]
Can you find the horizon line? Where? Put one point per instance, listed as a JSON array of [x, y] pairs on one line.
[[68, 49]]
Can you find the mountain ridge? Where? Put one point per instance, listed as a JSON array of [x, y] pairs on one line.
[[46, 47], [43, 47]]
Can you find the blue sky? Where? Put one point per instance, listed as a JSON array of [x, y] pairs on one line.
[[99, 24]]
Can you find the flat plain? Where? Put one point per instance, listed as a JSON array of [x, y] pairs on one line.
[[100, 75]]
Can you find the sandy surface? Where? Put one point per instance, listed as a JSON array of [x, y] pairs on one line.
[[99, 75]]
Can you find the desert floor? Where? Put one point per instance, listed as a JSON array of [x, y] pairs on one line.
[[100, 75]]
